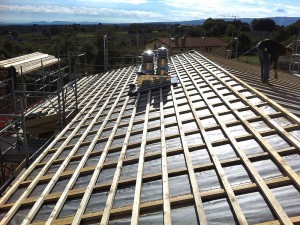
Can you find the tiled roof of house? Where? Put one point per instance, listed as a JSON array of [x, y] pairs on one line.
[[191, 42], [211, 150]]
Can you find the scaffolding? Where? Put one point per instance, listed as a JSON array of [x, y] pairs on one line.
[[295, 57], [23, 96]]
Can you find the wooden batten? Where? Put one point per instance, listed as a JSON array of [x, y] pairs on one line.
[[146, 154]]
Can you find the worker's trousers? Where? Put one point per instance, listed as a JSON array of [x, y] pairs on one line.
[[264, 62]]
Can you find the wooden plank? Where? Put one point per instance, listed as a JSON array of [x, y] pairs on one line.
[[17, 204], [254, 118], [291, 116], [259, 180], [139, 178], [176, 201], [62, 167], [46, 107], [164, 164], [82, 95], [76, 173], [42, 155], [281, 163], [214, 143], [219, 169], [195, 189], [79, 192], [99, 166], [116, 178], [294, 219]]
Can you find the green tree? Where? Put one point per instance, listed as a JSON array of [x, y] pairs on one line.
[[266, 24], [14, 33], [46, 33], [54, 30], [215, 27], [195, 32], [244, 42]]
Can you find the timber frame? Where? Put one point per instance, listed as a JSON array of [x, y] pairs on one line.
[[210, 112]]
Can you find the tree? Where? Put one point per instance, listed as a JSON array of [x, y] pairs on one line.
[[263, 24], [46, 33], [244, 42], [230, 29], [208, 24], [14, 33], [294, 28], [88, 48], [54, 30], [216, 27], [194, 32], [8, 46]]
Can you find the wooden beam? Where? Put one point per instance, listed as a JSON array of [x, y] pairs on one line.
[[176, 172], [66, 161], [259, 180], [294, 219], [116, 178], [291, 116], [164, 165], [139, 178], [76, 173], [281, 163], [100, 163], [176, 201], [238, 213], [13, 210], [195, 189]]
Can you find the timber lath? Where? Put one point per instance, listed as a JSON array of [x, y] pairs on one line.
[[211, 150]]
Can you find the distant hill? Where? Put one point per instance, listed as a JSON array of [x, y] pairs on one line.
[[45, 23], [280, 21]]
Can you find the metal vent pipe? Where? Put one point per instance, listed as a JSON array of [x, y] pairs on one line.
[[162, 61], [148, 62]]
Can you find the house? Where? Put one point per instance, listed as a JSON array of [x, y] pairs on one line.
[[182, 44]]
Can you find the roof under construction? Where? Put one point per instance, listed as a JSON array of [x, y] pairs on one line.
[[211, 150], [30, 62]]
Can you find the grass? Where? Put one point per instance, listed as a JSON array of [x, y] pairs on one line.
[[86, 35], [283, 63], [253, 60]]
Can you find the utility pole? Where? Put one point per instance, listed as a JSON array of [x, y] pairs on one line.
[[236, 45], [137, 46], [105, 44], [203, 37]]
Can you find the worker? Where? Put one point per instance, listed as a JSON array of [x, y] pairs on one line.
[[268, 53]]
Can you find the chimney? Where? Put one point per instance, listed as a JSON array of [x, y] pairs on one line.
[[176, 40], [183, 41], [162, 61], [147, 62]]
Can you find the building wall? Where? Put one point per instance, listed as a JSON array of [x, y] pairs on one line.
[[155, 44]]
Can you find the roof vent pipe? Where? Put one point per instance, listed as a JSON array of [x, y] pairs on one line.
[[147, 62], [162, 61]]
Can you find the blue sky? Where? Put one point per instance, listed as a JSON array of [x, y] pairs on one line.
[[135, 11]]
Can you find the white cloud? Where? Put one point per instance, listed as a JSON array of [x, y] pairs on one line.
[[189, 9], [103, 12], [175, 15], [255, 2], [195, 4], [133, 2]]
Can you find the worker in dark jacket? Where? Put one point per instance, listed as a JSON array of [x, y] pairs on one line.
[[268, 53]]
